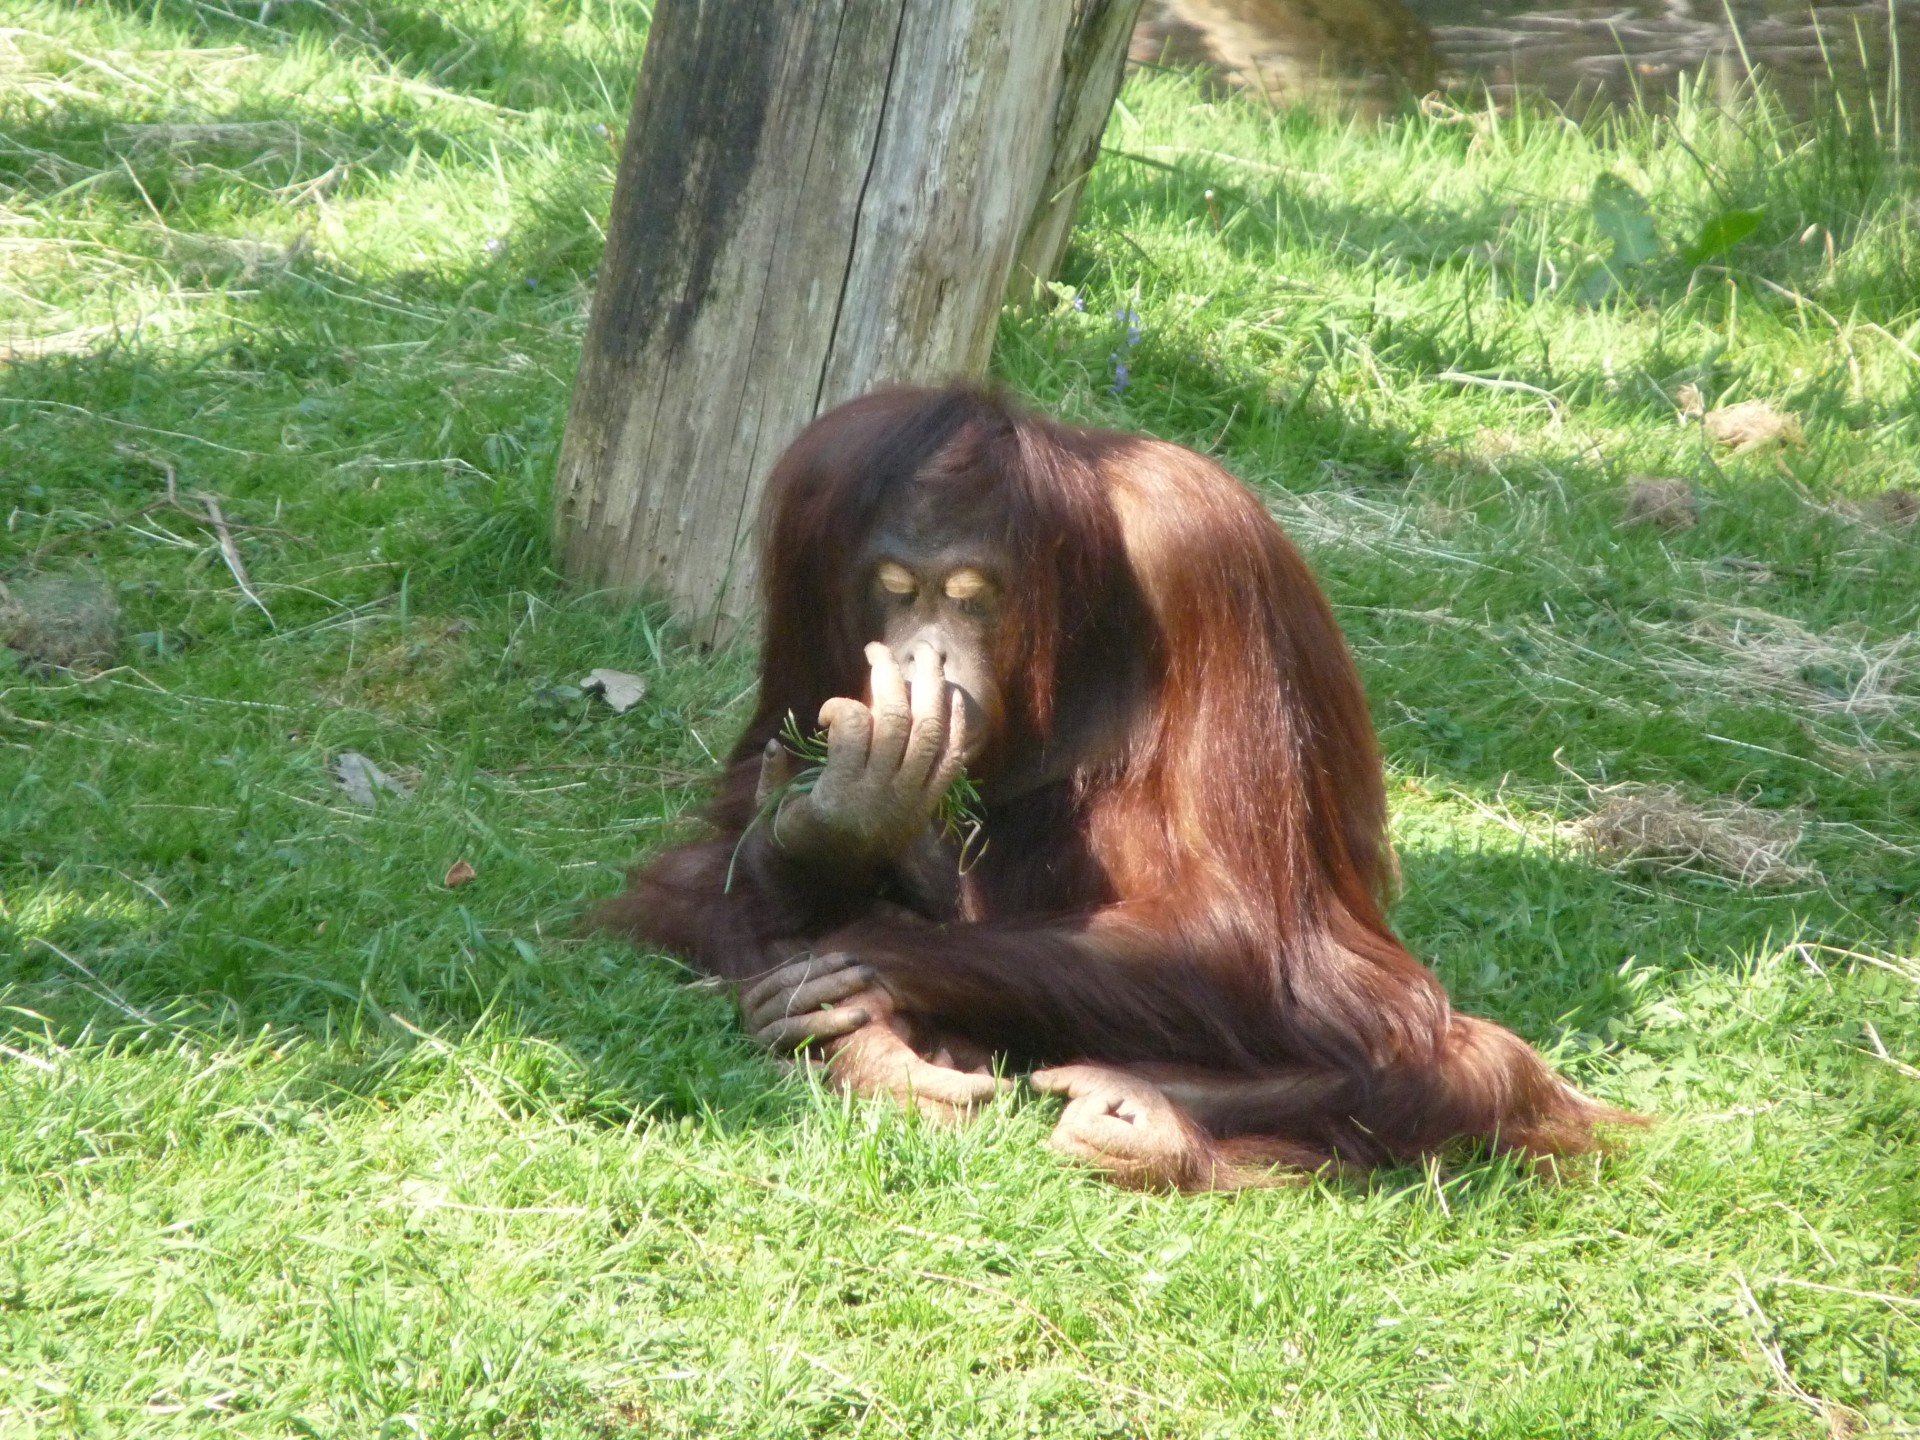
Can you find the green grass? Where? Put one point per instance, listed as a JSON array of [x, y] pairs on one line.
[[296, 1141]]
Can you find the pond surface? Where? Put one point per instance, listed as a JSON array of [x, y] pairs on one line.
[[1374, 51]]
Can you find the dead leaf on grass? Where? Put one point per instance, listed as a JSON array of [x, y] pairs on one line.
[[621, 690], [461, 874], [1666, 504], [1692, 403], [363, 780]]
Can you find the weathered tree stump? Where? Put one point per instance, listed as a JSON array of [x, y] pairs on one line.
[[814, 199]]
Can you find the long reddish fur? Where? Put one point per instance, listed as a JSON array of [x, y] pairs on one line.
[[1199, 894]]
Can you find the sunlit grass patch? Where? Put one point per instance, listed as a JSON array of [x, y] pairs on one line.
[[47, 909], [1425, 818]]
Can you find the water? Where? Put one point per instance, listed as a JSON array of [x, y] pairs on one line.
[[1372, 52]]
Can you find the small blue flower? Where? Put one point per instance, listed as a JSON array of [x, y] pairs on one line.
[[1122, 374], [496, 246], [1079, 302], [533, 282], [1131, 319]]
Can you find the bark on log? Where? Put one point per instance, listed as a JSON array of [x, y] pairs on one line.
[[1091, 71], [813, 199]]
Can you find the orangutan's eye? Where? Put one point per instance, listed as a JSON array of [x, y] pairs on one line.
[[967, 585]]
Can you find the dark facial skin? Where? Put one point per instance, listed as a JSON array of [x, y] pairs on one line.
[[948, 603], [930, 591], [934, 577]]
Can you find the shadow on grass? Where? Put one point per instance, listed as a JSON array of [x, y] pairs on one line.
[[179, 188], [1829, 179], [590, 1030], [182, 168], [282, 916], [507, 61]]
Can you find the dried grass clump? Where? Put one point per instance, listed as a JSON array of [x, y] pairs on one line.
[[1833, 672], [1656, 826], [1336, 519], [64, 622], [1665, 504], [204, 258], [1751, 424], [1746, 426], [1896, 506]]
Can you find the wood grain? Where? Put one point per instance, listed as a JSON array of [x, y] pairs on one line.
[[812, 200]]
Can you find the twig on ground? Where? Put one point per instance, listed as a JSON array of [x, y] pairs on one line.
[[665, 772], [62, 406], [1880, 1052], [876, 1403], [102, 990], [1840, 1420], [230, 552], [1879, 1295], [1555, 406]]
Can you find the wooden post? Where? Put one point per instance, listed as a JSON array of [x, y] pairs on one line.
[[1091, 70], [814, 199]]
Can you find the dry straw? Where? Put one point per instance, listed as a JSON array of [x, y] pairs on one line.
[[1832, 672], [1656, 826]]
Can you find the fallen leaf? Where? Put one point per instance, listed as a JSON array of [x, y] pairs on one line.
[[1620, 213], [1722, 233], [461, 874], [1751, 424], [619, 689], [363, 780], [1665, 503], [1692, 403]]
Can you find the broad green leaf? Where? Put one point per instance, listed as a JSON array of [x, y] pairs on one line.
[[1620, 213], [1722, 233], [1596, 285]]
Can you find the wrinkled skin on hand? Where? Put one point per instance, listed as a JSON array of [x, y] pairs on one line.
[[878, 1059], [830, 1006], [812, 1000], [888, 766]]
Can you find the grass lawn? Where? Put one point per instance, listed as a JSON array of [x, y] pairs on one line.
[[296, 1140]]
